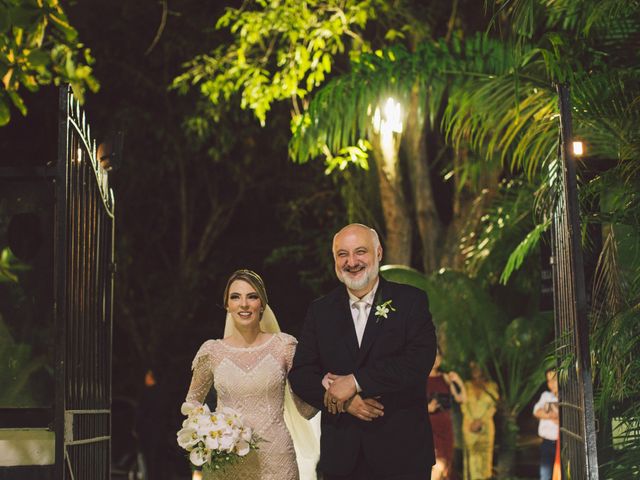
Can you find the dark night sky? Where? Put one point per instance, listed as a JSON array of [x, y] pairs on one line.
[[134, 97]]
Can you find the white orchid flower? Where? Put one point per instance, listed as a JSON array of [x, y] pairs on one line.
[[188, 438], [246, 434], [194, 408], [232, 417], [212, 440], [206, 433], [382, 310], [200, 456], [242, 448]]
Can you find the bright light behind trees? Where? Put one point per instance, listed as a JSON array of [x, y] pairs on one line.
[[389, 120], [386, 122]]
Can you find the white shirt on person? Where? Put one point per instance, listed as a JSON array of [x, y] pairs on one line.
[[368, 299], [547, 428]]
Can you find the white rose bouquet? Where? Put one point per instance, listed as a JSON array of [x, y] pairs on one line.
[[214, 439]]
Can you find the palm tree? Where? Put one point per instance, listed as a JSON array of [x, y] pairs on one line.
[[341, 121], [588, 44]]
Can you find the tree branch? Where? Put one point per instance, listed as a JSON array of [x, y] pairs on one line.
[[163, 23]]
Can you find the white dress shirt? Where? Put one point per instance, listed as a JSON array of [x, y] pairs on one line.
[[368, 299], [547, 428]]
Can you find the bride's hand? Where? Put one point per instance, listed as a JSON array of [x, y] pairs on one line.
[[327, 380], [333, 406]]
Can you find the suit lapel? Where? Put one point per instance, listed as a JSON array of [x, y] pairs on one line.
[[345, 320], [374, 323]]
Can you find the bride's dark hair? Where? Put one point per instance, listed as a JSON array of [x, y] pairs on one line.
[[253, 279]]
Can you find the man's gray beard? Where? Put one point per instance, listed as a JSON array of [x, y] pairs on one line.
[[364, 281]]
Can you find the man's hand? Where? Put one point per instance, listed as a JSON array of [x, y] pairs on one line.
[[332, 405], [365, 409], [342, 387]]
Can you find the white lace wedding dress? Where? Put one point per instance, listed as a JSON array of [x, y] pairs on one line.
[[252, 381]]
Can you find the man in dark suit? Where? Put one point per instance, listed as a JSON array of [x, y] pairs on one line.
[[363, 358]]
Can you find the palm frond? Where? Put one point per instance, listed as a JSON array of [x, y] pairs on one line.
[[340, 113], [506, 220], [588, 15], [608, 292], [512, 116], [528, 244], [607, 114]]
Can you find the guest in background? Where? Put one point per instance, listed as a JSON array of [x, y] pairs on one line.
[[442, 390], [478, 429], [546, 410]]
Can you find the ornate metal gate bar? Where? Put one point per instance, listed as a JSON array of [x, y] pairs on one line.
[[83, 264], [577, 419]]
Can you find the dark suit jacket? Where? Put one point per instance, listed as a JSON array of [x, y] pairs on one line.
[[392, 363]]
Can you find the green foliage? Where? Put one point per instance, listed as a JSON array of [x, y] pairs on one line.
[[473, 326], [515, 210], [10, 266], [18, 364], [508, 118], [280, 50], [514, 114], [305, 248], [38, 46], [593, 45], [341, 112], [409, 276], [615, 338], [523, 249]]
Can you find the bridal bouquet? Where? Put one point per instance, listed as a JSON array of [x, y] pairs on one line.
[[214, 439]]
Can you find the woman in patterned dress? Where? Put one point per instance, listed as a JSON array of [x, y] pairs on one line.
[[478, 429], [248, 369]]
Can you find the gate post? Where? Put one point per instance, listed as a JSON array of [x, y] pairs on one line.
[[577, 416]]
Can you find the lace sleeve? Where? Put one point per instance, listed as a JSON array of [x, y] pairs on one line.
[[305, 410], [202, 377]]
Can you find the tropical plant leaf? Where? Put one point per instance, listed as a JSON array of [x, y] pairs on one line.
[[525, 247]]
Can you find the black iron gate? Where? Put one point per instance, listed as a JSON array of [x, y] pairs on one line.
[[56, 291], [577, 418], [83, 265]]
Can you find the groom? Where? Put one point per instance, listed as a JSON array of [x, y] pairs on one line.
[[363, 358]]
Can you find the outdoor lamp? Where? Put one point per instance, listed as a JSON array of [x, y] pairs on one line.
[[578, 149]]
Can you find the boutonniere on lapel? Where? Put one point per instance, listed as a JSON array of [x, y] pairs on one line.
[[383, 309]]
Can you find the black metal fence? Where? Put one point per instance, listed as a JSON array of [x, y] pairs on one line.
[[84, 262], [577, 418], [56, 296]]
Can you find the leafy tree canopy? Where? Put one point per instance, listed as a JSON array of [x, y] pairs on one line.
[[38, 46], [280, 50]]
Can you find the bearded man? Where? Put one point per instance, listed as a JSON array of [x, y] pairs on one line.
[[363, 359]]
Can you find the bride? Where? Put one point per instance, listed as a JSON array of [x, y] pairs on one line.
[[248, 369]]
